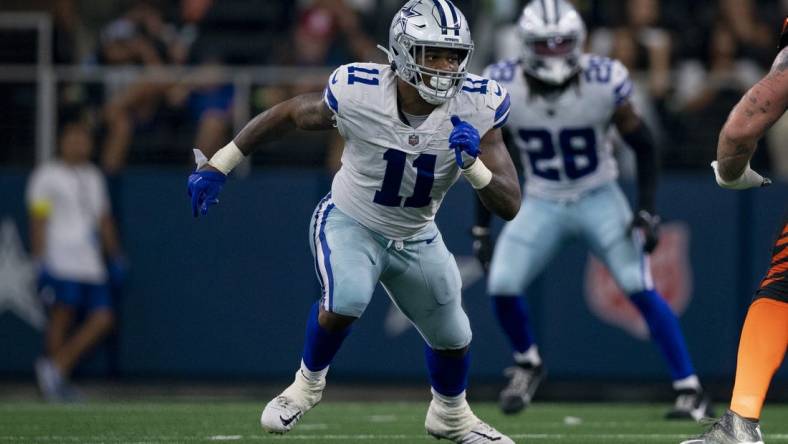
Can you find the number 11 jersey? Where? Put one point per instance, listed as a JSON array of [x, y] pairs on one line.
[[394, 177]]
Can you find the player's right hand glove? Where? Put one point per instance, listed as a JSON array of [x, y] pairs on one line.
[[203, 188], [649, 225], [748, 179], [482, 246], [464, 140]]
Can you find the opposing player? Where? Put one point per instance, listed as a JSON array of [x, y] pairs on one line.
[[411, 129], [764, 337], [563, 103]]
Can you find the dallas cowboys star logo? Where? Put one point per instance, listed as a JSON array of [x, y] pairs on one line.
[[406, 14], [17, 279]]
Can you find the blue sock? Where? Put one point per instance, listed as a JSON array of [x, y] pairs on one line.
[[320, 345], [512, 314], [448, 374], [665, 331]]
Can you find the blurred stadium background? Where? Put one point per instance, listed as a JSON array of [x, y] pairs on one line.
[[215, 307]]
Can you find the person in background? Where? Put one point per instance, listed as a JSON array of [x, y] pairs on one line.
[[564, 102], [70, 225]]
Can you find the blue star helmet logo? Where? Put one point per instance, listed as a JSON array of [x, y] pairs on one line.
[[407, 13]]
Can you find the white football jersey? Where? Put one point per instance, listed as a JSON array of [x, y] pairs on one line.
[[75, 198], [563, 140], [394, 177]]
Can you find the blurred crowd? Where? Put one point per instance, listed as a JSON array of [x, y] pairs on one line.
[[691, 61]]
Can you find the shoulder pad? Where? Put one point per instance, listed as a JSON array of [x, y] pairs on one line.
[[489, 101], [610, 75], [502, 71], [349, 83]]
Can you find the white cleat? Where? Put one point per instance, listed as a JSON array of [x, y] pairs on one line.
[[283, 412], [461, 426]]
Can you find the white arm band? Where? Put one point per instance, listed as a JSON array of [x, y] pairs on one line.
[[477, 174], [227, 158]]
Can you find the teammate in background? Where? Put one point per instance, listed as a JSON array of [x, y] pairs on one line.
[[411, 128], [70, 223], [563, 103], [764, 337]]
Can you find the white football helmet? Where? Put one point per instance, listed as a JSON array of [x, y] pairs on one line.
[[553, 35], [422, 24]]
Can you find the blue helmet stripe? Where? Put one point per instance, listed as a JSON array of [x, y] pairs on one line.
[[557, 13], [442, 13], [454, 17]]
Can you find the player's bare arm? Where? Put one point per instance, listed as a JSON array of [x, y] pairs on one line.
[[305, 112], [760, 107], [502, 194]]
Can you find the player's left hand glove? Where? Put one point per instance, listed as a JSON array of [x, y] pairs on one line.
[[649, 225], [204, 187], [464, 140], [748, 179]]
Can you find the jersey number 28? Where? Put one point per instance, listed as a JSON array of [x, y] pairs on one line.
[[577, 150]]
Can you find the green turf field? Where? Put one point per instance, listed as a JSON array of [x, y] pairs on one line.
[[336, 422]]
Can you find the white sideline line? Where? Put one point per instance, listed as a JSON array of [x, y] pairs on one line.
[[330, 437]]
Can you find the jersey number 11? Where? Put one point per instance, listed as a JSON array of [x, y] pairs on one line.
[[388, 195]]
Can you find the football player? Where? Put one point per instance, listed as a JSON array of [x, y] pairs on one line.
[[411, 129], [764, 336], [563, 103]]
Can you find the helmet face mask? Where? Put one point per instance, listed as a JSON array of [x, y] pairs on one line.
[[553, 41], [422, 28]]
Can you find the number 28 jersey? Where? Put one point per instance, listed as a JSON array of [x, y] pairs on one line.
[[394, 177], [563, 139]]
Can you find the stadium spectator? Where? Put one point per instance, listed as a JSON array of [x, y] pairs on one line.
[[70, 224], [208, 100], [141, 37], [652, 45], [703, 96], [754, 38]]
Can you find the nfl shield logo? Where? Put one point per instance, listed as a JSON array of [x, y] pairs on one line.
[[413, 140]]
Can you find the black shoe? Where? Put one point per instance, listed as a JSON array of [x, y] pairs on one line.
[[730, 429], [523, 382], [691, 404]]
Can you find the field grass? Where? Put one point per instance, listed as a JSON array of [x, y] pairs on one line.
[[340, 422]]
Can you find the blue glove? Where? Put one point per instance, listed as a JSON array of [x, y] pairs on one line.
[[464, 139], [204, 188]]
